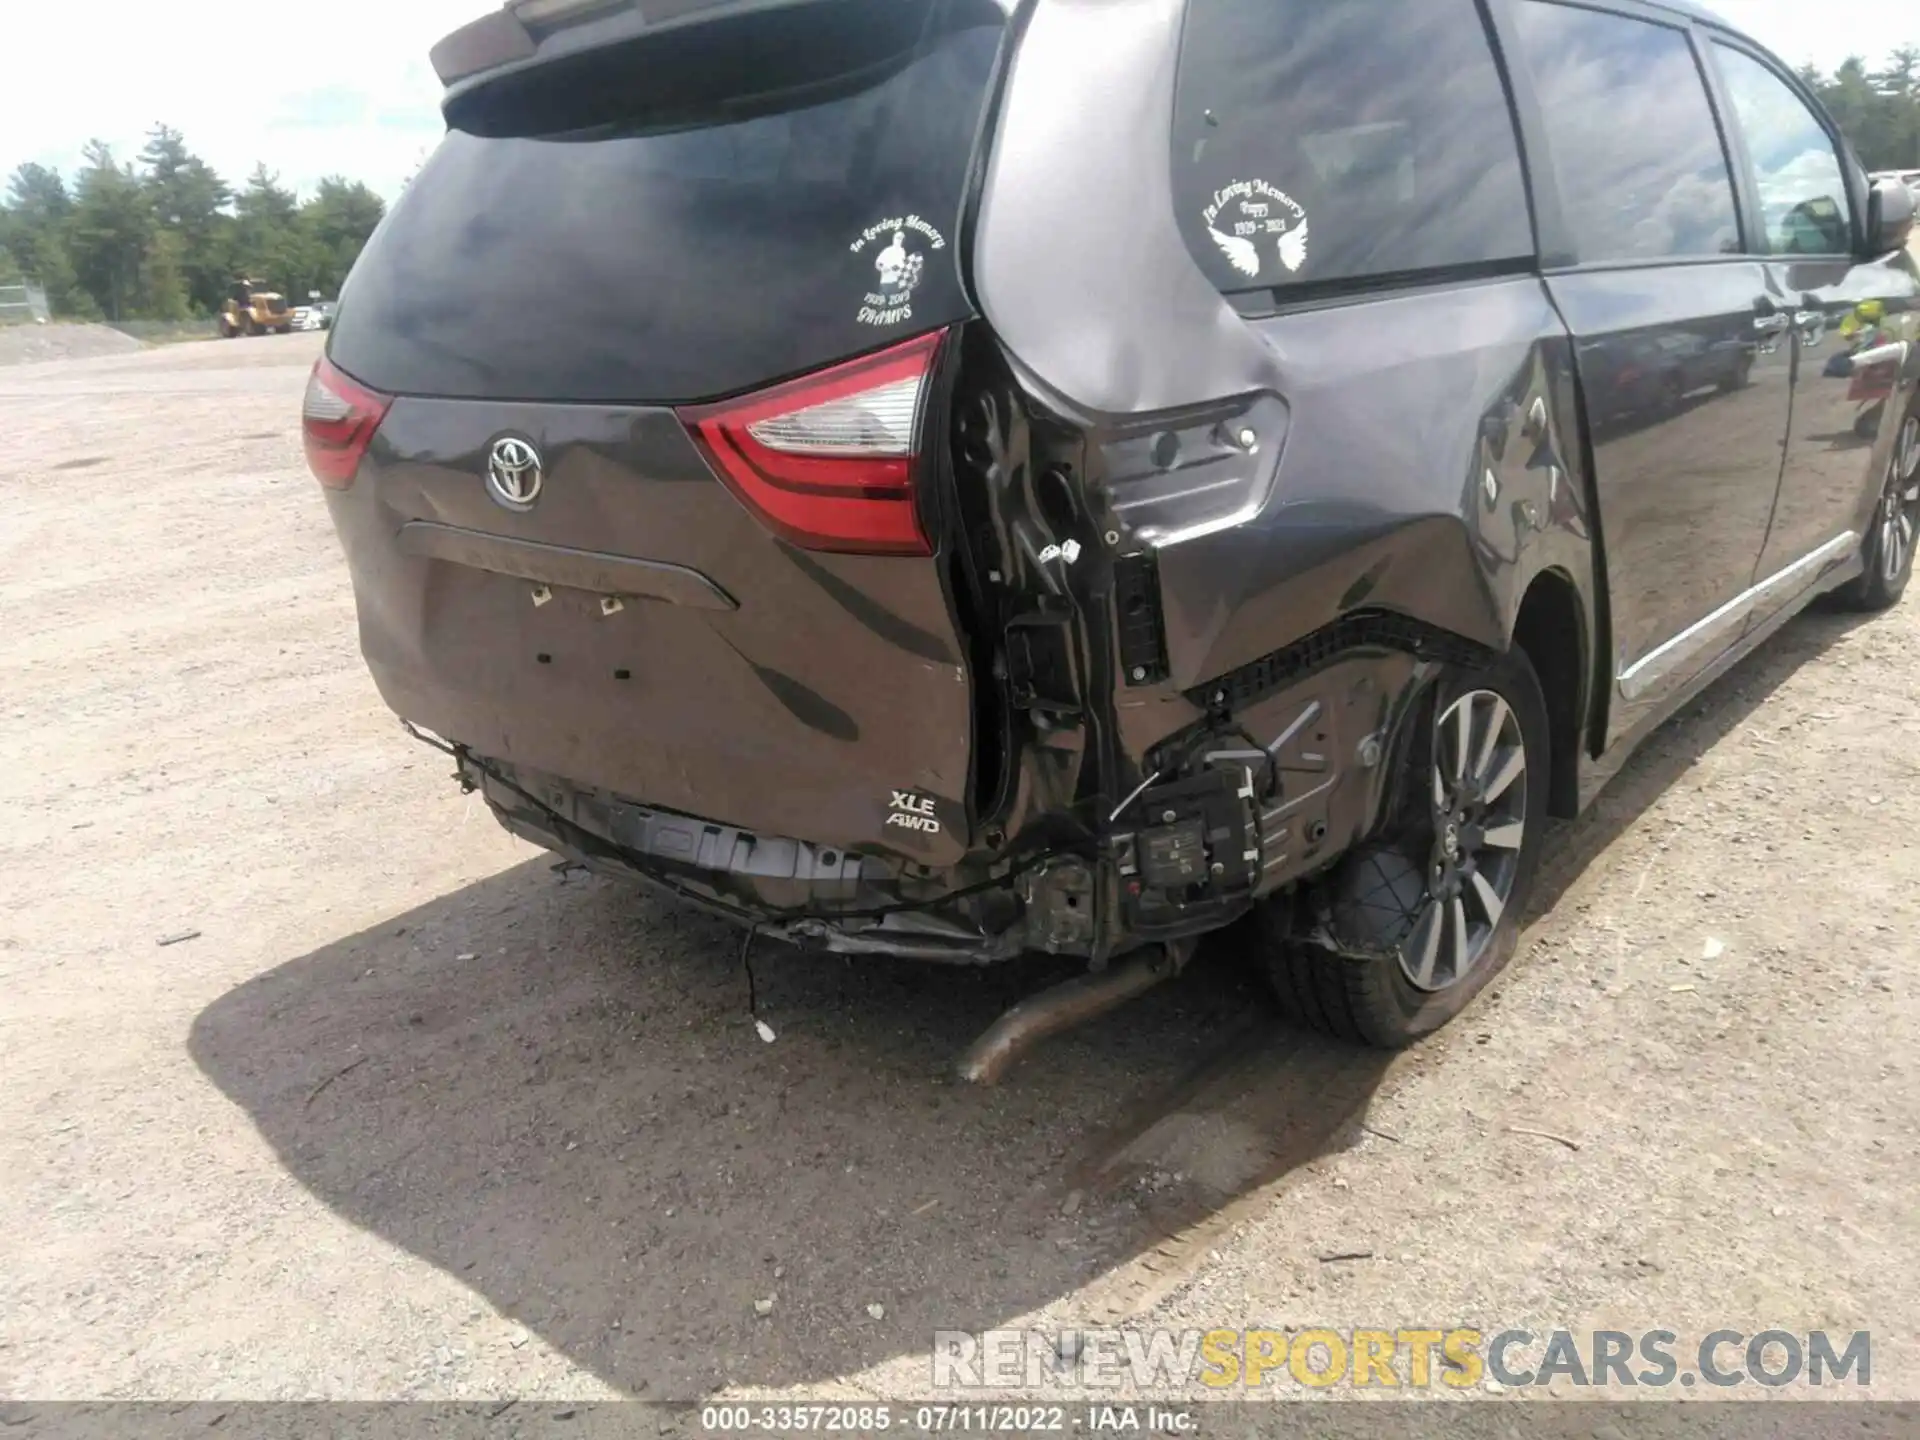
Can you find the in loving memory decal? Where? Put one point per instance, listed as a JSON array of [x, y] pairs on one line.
[[1249, 214], [899, 246]]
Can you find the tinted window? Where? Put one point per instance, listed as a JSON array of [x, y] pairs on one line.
[[630, 263], [1803, 198], [1641, 170], [1323, 142]]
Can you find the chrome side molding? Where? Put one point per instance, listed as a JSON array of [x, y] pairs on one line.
[[1656, 665]]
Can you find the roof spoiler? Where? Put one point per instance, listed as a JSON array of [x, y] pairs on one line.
[[526, 32]]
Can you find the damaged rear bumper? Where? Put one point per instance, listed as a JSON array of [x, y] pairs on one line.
[[795, 890], [1269, 792]]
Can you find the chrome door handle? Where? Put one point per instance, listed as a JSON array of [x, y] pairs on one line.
[[1807, 319], [1772, 324]]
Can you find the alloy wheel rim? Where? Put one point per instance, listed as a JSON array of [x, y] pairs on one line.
[[1479, 812], [1900, 507]]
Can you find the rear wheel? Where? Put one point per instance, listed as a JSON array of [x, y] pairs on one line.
[[1434, 905], [1889, 549]]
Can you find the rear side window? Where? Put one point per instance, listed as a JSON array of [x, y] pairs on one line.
[[1642, 172], [693, 216], [1317, 142], [1803, 194]]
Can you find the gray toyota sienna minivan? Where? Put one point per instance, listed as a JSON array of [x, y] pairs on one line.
[[954, 479]]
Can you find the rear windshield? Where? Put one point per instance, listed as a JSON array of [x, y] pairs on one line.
[[631, 261]]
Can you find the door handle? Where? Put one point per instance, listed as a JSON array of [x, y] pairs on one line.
[[1772, 324]]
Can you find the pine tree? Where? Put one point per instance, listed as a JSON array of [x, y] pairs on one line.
[[108, 231], [1899, 86], [338, 221], [1878, 111], [33, 224], [163, 286], [189, 199], [267, 244]]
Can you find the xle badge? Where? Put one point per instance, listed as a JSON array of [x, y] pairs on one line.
[[913, 812]]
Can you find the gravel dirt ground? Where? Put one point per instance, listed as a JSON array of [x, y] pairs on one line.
[[412, 1115], [24, 344]]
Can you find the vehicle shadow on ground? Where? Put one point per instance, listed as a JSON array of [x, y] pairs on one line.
[[551, 1089]]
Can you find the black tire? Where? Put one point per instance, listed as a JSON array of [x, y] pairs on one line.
[[1888, 550], [1384, 894]]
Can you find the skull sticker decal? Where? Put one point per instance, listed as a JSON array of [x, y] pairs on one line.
[[899, 248]]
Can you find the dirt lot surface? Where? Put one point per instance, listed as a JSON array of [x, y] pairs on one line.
[[412, 1115]]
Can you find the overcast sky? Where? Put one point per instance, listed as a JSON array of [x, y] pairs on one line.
[[356, 96]]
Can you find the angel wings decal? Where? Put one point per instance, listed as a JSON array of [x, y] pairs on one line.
[[1293, 247], [1246, 214], [1244, 255], [1241, 253]]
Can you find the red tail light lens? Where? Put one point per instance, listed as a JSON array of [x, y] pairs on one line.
[[338, 420], [827, 461]]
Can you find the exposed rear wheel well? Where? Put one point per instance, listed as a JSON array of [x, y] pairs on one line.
[[1553, 637]]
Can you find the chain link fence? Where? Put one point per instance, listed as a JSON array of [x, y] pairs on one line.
[[23, 305]]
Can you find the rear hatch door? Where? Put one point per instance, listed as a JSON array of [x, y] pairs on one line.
[[698, 281]]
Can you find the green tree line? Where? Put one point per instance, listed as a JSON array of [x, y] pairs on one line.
[[165, 238], [1878, 109]]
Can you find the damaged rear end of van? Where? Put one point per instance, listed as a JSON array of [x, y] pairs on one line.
[[789, 455]]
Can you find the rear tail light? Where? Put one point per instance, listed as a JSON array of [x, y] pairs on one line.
[[338, 420], [827, 461]]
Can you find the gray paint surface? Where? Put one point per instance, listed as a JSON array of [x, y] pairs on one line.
[[1080, 266]]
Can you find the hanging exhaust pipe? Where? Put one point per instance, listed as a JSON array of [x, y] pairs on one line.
[[1063, 1007]]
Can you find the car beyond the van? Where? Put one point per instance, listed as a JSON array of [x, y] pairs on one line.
[[954, 479]]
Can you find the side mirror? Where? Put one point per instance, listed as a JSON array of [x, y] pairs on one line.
[[1890, 210]]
